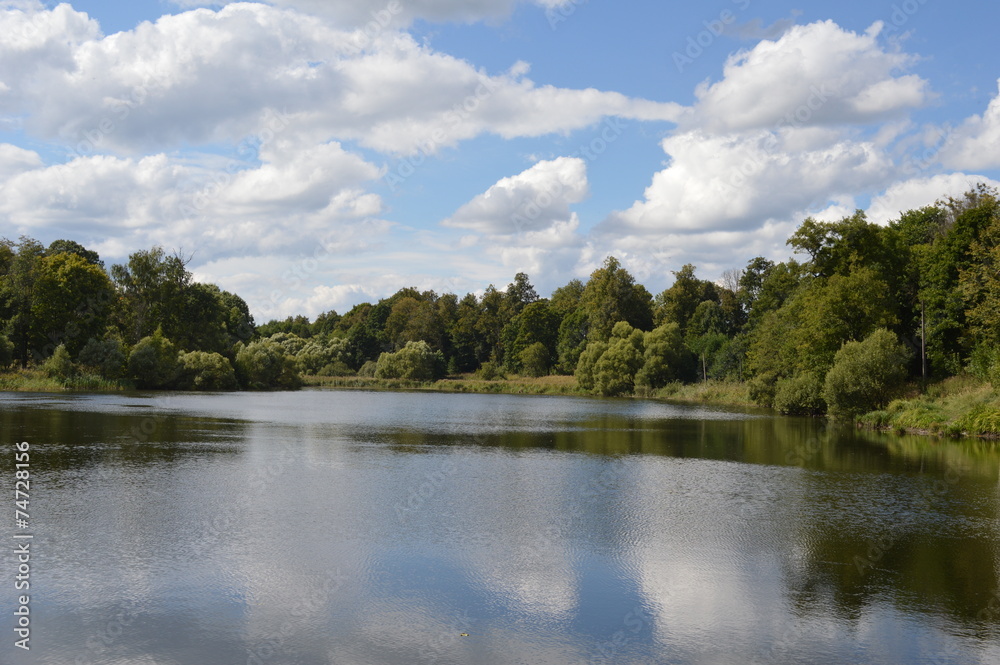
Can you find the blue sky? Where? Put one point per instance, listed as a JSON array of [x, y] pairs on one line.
[[312, 154]]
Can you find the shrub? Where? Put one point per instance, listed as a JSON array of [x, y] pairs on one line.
[[414, 362], [368, 369], [336, 368], [263, 365], [866, 375], [801, 395], [490, 371], [153, 364], [203, 370], [103, 357], [59, 365], [535, 360], [763, 388]]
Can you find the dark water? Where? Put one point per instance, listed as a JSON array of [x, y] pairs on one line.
[[355, 527]]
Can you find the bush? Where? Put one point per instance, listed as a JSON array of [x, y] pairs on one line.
[[103, 357], [763, 388], [801, 395], [153, 364], [490, 371], [535, 360], [337, 368], [414, 362], [59, 365], [368, 369], [866, 375], [264, 365], [203, 370]]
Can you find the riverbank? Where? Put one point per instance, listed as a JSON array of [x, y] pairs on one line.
[[37, 381], [958, 406], [712, 392]]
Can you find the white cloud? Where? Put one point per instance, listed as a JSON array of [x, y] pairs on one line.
[[976, 143], [294, 199], [738, 181], [378, 13], [816, 74], [920, 192], [533, 200], [209, 76], [14, 160]]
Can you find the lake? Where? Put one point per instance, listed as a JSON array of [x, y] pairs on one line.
[[368, 528]]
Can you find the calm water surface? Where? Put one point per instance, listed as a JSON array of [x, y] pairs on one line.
[[369, 528]]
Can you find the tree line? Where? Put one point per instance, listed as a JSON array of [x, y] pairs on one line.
[[862, 310]]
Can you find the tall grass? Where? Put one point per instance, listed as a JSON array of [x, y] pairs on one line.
[[956, 406]]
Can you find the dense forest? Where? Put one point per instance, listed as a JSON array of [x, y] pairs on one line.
[[863, 310]]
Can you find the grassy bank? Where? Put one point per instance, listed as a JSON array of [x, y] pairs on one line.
[[37, 381], [467, 383], [959, 406], [712, 392]]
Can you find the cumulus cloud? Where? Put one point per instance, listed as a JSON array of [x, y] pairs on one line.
[[290, 201], [976, 143], [533, 200], [816, 74], [15, 160], [398, 12], [208, 76], [917, 193], [737, 181]]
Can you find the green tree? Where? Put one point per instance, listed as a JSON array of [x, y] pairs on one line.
[[203, 370], [535, 359], [22, 267], [71, 303], [616, 369], [153, 363], [586, 376], [264, 365], [103, 357], [535, 324], [573, 339], [611, 295], [666, 357], [75, 248], [866, 375], [679, 302], [151, 287]]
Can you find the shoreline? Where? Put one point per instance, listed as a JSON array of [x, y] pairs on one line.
[[956, 408]]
